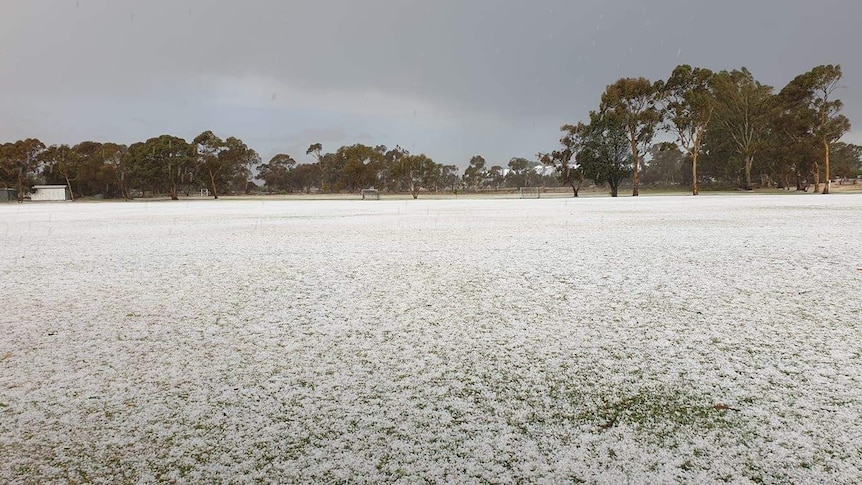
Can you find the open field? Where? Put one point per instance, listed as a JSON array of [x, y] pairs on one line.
[[643, 340]]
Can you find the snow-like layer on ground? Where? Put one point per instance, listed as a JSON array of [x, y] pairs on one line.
[[461, 341]]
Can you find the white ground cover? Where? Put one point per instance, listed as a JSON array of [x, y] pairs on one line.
[[596, 340]]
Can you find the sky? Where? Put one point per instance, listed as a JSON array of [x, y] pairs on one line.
[[448, 78]]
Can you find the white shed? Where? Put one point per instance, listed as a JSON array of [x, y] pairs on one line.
[[49, 192]]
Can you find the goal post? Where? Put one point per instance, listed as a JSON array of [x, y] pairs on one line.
[[370, 194], [530, 192]]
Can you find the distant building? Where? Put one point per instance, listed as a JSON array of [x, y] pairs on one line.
[[8, 195], [50, 192]]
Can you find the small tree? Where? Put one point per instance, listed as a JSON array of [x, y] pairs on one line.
[[606, 153], [564, 160]]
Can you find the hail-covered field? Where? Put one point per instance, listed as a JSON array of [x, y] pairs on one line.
[[643, 340]]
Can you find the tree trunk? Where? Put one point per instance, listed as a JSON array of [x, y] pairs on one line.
[[636, 179], [695, 190], [826, 166], [20, 184], [575, 190], [816, 173], [213, 184], [122, 185], [749, 161], [175, 192], [69, 184]]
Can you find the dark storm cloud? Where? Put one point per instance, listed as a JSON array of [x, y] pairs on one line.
[[527, 63]]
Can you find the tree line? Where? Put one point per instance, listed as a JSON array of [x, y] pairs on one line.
[[165, 164], [169, 165], [728, 129]]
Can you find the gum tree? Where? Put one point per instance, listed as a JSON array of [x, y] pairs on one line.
[[564, 160], [277, 173], [475, 173], [61, 163], [19, 162], [813, 96], [162, 161], [634, 103], [606, 153], [743, 111], [208, 147], [687, 111]]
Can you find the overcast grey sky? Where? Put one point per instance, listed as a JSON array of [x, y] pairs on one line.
[[448, 78]]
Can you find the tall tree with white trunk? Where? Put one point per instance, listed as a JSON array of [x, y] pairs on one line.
[[688, 107]]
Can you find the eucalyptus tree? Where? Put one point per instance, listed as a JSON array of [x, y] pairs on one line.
[[846, 159], [93, 176], [565, 160], [305, 176], [19, 163], [812, 94], [606, 156], [208, 148], [494, 177], [115, 158], [361, 166], [417, 172], [236, 163], [743, 113], [276, 174], [634, 104], [475, 173], [519, 172], [60, 163], [449, 178], [316, 150], [161, 162], [687, 105]]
